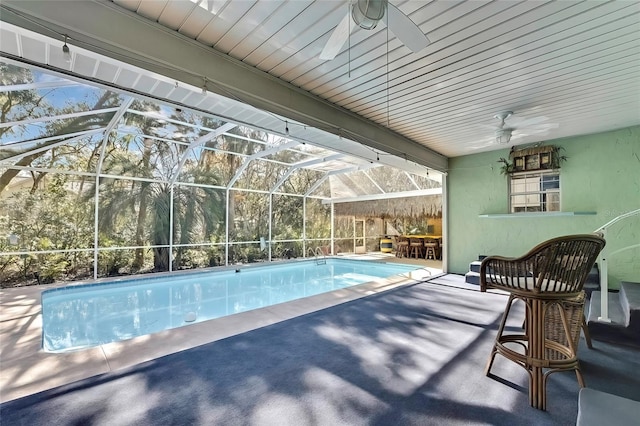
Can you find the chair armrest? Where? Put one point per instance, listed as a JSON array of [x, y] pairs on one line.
[[507, 272]]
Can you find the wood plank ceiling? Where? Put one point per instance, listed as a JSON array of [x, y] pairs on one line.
[[564, 68]]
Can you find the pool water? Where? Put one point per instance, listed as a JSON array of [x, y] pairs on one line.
[[83, 316]]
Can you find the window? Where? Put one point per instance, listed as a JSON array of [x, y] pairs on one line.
[[535, 192]]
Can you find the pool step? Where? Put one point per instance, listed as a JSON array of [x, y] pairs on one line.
[[473, 276], [624, 312]]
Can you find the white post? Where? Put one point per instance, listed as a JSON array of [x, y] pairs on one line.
[[304, 226], [226, 238], [604, 283], [270, 225], [171, 229], [333, 250], [445, 225], [96, 240]]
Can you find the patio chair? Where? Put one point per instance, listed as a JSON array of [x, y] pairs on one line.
[[549, 280]]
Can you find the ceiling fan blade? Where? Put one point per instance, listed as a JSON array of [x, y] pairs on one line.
[[336, 41], [406, 30], [523, 122]]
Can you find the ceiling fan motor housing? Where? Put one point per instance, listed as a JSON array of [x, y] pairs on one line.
[[367, 13]]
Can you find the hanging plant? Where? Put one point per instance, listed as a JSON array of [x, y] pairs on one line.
[[507, 166], [556, 158]]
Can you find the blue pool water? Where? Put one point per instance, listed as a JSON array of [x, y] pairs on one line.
[[90, 315]]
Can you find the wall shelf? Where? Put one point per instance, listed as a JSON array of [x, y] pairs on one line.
[[535, 214]]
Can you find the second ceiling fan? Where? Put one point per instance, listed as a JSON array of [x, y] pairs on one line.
[[367, 14]]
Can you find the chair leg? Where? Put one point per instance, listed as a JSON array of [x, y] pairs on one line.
[[580, 377], [587, 336], [503, 323]]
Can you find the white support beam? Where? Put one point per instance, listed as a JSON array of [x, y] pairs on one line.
[[374, 182], [316, 185], [419, 193], [413, 181], [106, 28], [156, 116], [198, 143], [339, 172], [303, 165], [38, 85], [257, 155], [353, 169], [73, 137], [58, 117]]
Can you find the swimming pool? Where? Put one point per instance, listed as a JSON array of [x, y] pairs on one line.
[[83, 316]]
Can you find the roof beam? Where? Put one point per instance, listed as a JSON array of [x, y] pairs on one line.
[[199, 142], [303, 165], [105, 138], [257, 155], [148, 45], [37, 85], [58, 117], [77, 137], [404, 194], [339, 172]]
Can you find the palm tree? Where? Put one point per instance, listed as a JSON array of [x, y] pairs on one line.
[[196, 210]]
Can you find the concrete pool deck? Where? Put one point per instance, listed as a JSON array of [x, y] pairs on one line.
[[26, 369]]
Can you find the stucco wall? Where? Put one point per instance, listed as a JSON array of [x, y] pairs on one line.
[[602, 174]]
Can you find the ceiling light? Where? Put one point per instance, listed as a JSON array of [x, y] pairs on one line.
[[367, 13], [66, 54], [204, 86], [503, 136]]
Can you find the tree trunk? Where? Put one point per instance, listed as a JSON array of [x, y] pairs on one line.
[[138, 261]]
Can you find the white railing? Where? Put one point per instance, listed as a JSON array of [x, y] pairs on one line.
[[318, 254], [603, 257]]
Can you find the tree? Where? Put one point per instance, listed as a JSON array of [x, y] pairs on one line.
[[17, 105]]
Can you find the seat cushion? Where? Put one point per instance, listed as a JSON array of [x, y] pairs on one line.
[[597, 408], [528, 283]]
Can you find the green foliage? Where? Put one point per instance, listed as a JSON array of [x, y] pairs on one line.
[[507, 166], [51, 267], [556, 158]]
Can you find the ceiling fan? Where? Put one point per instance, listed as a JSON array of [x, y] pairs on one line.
[[503, 134], [517, 128], [367, 14]]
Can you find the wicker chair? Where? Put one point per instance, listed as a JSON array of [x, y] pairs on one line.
[[549, 280]]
